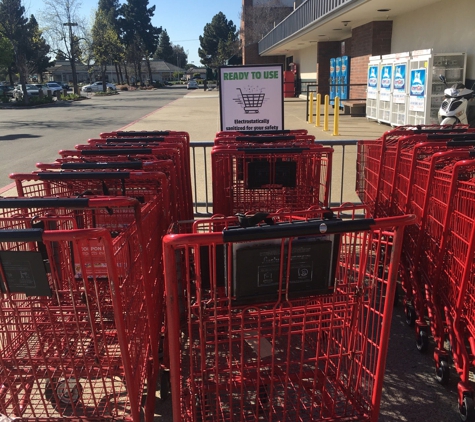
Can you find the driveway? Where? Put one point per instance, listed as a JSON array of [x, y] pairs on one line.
[[36, 134]]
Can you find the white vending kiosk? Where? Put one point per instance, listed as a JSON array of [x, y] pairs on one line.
[[426, 91], [372, 89], [385, 88], [400, 90]]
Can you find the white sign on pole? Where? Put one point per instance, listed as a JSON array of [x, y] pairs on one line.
[[251, 98]]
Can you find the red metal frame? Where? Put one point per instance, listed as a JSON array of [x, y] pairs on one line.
[[182, 189], [311, 358], [85, 351], [235, 192]]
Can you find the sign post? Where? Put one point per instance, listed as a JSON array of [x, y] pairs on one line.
[[251, 98]]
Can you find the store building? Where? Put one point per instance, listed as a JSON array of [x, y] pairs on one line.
[[316, 31]]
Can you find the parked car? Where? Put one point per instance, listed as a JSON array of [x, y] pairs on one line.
[[62, 84], [6, 90], [192, 85], [31, 90], [56, 89], [97, 86]]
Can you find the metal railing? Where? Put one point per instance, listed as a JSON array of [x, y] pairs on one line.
[[343, 174], [307, 13]]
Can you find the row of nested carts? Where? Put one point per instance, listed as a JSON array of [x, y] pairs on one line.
[[276, 308], [429, 171]]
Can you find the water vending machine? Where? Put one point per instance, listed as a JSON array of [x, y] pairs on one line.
[[372, 88]]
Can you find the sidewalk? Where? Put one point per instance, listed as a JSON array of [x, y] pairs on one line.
[[198, 114]]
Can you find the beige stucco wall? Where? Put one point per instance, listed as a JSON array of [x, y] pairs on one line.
[[446, 27], [307, 60]]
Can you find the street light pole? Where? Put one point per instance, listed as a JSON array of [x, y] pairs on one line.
[[72, 54]]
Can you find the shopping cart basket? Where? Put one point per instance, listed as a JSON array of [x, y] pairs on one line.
[[183, 196], [282, 322], [455, 283], [271, 178], [74, 329], [376, 161]]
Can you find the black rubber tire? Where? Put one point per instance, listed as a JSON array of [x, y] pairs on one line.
[[410, 315], [466, 410], [442, 373], [64, 401], [422, 341], [164, 385]]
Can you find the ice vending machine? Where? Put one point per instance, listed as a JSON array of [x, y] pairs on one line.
[[400, 92], [372, 88], [332, 80], [426, 91], [385, 88]]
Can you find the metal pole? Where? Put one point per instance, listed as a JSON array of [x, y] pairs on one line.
[[317, 111], [310, 108], [325, 112], [336, 115]]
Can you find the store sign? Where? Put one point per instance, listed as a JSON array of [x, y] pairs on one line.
[[417, 89], [251, 98], [386, 80], [372, 89], [399, 83]]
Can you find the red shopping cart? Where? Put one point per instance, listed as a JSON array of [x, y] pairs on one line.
[[376, 161], [456, 285], [183, 196], [303, 338], [74, 329], [271, 178]]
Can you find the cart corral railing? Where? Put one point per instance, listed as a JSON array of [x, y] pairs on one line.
[[343, 174]]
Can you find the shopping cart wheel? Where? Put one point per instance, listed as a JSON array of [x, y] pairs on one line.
[[466, 409], [164, 384], [410, 315], [422, 341], [442, 372], [68, 392]]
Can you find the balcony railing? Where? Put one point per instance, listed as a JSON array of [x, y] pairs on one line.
[[307, 13]]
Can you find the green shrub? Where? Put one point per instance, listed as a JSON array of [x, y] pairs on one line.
[[70, 97], [4, 99]]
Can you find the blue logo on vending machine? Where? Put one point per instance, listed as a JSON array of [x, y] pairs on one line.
[[418, 82], [400, 77], [386, 77], [373, 76]]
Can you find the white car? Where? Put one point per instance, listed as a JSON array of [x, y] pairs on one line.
[[55, 88], [97, 86], [192, 84]]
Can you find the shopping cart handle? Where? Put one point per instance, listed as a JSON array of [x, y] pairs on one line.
[[115, 151], [437, 130], [79, 175], [30, 202], [265, 139], [295, 229], [21, 235], [135, 140], [461, 143], [272, 150], [138, 132], [135, 165], [449, 135]]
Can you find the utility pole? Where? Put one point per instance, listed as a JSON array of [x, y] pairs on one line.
[[72, 55]]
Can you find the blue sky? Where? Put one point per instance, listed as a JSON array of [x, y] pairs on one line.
[[184, 20]]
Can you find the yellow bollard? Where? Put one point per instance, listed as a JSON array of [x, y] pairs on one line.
[[317, 111], [336, 116], [325, 112], [310, 108]]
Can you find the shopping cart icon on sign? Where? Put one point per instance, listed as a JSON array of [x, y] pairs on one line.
[[252, 102]]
